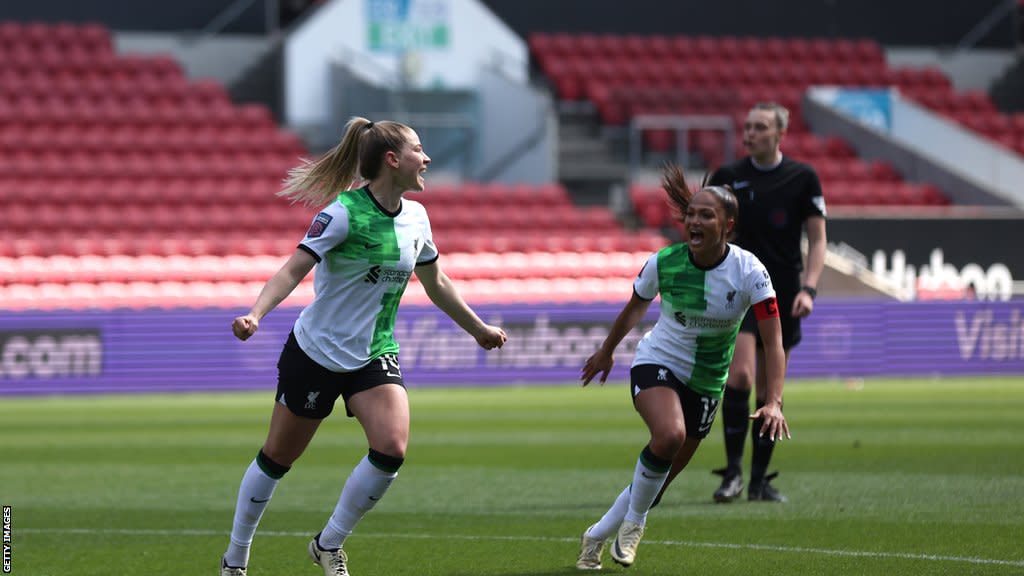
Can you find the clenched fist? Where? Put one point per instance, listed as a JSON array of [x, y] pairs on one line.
[[245, 326]]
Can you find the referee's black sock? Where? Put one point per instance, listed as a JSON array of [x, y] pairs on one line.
[[763, 447], [735, 419]]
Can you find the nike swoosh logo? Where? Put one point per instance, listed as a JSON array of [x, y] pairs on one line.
[[374, 499], [255, 501], [644, 474], [372, 246]]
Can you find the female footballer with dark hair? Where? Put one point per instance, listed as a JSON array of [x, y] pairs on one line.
[[676, 380]]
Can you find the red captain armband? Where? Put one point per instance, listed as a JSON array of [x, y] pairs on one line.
[[766, 309]]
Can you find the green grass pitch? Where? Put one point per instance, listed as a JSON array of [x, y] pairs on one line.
[[892, 477]]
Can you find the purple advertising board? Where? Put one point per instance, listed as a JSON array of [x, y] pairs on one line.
[[193, 349]]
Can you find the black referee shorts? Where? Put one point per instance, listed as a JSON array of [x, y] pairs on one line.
[[791, 334]]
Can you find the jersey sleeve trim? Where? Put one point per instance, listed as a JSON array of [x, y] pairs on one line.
[[430, 261], [312, 252], [638, 295], [647, 280]]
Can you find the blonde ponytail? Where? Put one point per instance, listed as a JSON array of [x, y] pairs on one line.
[[315, 183]]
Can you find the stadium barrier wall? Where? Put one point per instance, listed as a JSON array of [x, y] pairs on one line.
[[910, 252], [193, 350]]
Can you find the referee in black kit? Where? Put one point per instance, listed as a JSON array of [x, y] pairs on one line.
[[779, 198]]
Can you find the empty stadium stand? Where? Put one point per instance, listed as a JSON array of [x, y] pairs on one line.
[[114, 154], [626, 76], [124, 184]]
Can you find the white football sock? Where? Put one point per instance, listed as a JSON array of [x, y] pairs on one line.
[[612, 519], [253, 496], [364, 487], [646, 485]]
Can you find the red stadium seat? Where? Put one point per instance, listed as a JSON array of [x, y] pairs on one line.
[[106, 155]]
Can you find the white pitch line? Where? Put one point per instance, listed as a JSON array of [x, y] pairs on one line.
[[689, 543]]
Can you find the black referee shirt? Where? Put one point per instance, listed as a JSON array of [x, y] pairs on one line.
[[774, 204]]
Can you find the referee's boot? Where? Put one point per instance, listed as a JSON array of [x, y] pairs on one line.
[[763, 491], [731, 487]]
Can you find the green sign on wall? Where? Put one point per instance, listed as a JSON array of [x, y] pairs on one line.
[[400, 25]]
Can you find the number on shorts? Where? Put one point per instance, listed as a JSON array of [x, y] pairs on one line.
[[707, 416], [389, 364]]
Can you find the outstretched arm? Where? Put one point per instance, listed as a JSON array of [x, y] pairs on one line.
[[442, 293], [602, 361], [280, 285]]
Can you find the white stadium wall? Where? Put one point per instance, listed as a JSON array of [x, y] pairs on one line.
[[410, 43]]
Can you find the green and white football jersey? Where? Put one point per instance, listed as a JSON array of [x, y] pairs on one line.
[[701, 312], [365, 256]]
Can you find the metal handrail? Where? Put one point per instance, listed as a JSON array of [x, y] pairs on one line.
[[986, 24], [681, 124], [232, 12]]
